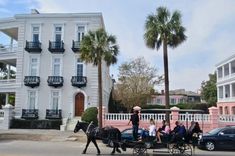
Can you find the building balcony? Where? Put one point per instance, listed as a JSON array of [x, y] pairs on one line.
[[32, 81], [53, 114], [29, 114], [55, 81], [56, 46], [33, 47], [76, 46], [79, 81]]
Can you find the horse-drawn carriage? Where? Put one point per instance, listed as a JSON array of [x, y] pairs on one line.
[[180, 146]]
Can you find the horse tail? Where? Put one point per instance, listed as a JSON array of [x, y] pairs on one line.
[[119, 135]]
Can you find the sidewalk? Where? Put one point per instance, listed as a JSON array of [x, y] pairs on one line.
[[41, 135]]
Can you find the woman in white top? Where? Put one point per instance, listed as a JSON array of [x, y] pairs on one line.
[[152, 128]]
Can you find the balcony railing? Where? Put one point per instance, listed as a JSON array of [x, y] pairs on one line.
[[53, 114], [29, 113], [79, 81], [56, 46], [33, 47], [55, 81], [32, 81], [6, 50], [76, 46]]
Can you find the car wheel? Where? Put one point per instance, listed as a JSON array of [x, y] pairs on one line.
[[210, 146], [110, 143]]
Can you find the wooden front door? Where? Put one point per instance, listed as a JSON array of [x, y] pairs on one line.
[[79, 104]]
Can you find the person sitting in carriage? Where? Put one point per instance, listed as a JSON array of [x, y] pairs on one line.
[[179, 132], [163, 132]]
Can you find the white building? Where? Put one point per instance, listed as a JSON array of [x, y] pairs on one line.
[[226, 86], [51, 80]]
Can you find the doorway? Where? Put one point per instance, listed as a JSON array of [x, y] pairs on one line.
[[79, 104]]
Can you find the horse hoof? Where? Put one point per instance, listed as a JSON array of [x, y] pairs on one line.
[[118, 150], [112, 153], [83, 152]]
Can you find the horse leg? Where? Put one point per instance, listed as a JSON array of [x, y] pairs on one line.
[[116, 145], [98, 150], [87, 144]]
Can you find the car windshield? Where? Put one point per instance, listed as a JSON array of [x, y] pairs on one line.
[[214, 131]]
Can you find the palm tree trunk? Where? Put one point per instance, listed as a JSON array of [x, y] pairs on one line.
[[100, 92], [165, 58]]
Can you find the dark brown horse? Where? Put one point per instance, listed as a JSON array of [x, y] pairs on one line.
[[94, 133]]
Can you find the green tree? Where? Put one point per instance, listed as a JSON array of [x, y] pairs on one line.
[[97, 47], [164, 29], [209, 90], [136, 82]]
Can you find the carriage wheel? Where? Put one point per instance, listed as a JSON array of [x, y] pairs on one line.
[[170, 148], [184, 149], [187, 150], [139, 150]]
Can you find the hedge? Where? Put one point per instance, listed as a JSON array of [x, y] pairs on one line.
[[90, 114], [36, 124]]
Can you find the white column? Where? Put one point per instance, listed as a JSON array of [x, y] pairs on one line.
[[8, 71], [230, 90], [223, 71], [8, 109], [6, 101], [230, 68]]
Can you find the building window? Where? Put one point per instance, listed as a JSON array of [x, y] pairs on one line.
[[181, 100], [226, 111], [55, 99], [32, 99], [159, 101], [221, 92], [227, 91], [79, 67], [226, 70], [172, 101], [58, 33], [80, 33], [233, 89], [35, 33], [233, 110], [34, 66], [233, 67], [56, 66], [220, 72], [220, 110]]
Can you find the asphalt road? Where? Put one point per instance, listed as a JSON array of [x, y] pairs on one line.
[[68, 148]]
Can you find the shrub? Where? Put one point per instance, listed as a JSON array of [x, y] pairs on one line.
[[90, 114]]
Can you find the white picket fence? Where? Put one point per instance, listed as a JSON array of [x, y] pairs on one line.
[[227, 118], [194, 117], [157, 117]]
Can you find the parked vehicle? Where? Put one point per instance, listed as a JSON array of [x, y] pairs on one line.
[[126, 135], [219, 138]]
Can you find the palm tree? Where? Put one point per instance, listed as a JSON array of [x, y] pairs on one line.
[[164, 29], [98, 47]]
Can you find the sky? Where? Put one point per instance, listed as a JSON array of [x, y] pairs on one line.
[[209, 27]]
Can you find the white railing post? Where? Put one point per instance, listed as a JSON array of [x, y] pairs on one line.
[[8, 114]]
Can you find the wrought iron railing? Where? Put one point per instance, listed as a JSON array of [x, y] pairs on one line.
[[55, 81], [29, 113], [31, 81], [53, 114], [56, 46], [76, 46], [79, 81], [33, 47]]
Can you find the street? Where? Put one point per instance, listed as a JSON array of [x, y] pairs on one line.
[[68, 148]]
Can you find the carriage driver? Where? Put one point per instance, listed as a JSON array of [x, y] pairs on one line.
[[135, 124]]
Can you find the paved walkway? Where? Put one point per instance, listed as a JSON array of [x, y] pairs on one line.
[[41, 135]]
